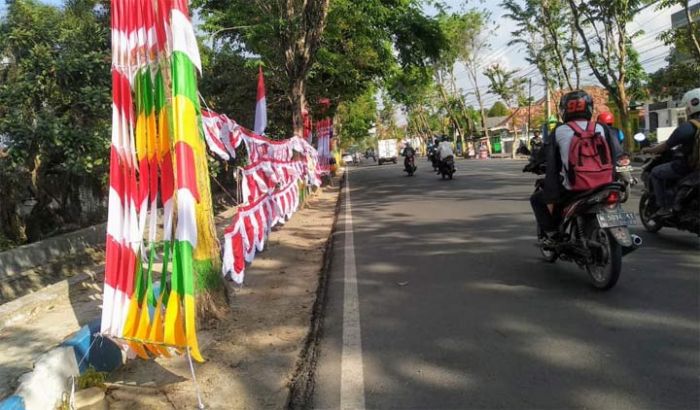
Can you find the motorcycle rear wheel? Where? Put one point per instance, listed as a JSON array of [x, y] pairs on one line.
[[606, 266], [646, 209]]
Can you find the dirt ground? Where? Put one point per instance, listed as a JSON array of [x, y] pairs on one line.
[[251, 356]]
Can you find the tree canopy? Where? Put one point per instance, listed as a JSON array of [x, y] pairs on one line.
[[498, 109], [55, 103], [363, 43]]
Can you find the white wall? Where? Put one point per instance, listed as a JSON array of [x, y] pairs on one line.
[[662, 133]]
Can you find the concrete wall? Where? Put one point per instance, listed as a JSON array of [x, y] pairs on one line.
[[17, 260]]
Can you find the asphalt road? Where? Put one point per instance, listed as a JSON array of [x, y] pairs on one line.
[[454, 308]]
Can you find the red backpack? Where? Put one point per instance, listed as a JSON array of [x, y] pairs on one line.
[[590, 162]]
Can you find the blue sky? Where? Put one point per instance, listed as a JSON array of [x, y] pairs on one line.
[[651, 50]]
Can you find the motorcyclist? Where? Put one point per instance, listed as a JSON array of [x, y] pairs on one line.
[[444, 150], [370, 154], [546, 203], [536, 142], [608, 119], [538, 157], [408, 152], [685, 136]]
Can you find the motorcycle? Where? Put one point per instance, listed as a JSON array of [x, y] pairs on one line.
[[410, 165], [686, 203], [446, 168], [432, 157], [593, 232], [523, 150]]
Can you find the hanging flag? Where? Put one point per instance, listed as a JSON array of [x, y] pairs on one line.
[[260, 106], [158, 155], [306, 118]]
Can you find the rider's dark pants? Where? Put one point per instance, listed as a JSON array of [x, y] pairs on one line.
[[547, 221], [662, 177]]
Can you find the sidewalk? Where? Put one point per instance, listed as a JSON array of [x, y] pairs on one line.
[[253, 354], [33, 324]]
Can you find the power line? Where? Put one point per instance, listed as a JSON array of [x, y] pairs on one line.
[[532, 69]]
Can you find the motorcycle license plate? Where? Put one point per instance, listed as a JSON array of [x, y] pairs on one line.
[[617, 218]]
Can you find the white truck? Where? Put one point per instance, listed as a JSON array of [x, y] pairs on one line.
[[388, 151]]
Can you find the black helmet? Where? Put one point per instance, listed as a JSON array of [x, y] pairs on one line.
[[576, 105]]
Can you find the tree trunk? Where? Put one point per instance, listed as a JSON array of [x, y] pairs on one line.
[[450, 112], [623, 107], [13, 229], [483, 120], [626, 125], [297, 98], [306, 22], [695, 44], [426, 124], [468, 122], [471, 71]]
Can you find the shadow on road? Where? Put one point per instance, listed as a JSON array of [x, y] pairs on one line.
[[459, 311]]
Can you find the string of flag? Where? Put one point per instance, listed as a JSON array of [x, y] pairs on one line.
[[273, 185]]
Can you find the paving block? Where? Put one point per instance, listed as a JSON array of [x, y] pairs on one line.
[[92, 398]]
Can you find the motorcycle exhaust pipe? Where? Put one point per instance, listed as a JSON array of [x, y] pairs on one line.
[[636, 243], [636, 240]]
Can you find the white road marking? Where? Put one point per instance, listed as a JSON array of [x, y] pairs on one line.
[[352, 384]]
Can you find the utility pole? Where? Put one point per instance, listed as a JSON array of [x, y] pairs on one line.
[[529, 110]]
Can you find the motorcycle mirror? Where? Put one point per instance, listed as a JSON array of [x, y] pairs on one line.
[[639, 137]]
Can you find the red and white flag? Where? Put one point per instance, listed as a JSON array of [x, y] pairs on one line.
[[261, 106]]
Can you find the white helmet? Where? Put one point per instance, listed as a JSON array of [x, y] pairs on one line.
[[691, 101]]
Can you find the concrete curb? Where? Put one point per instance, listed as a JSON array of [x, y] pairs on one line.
[[11, 312], [43, 387], [17, 260], [301, 386]]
